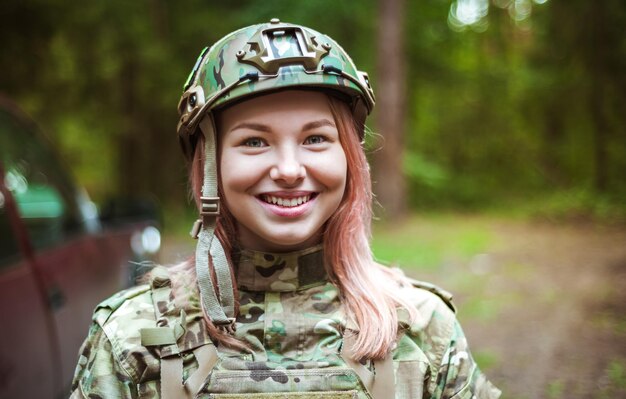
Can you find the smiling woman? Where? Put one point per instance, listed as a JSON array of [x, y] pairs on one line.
[[283, 297]]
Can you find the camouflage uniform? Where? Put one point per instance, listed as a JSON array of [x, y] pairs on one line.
[[292, 319]]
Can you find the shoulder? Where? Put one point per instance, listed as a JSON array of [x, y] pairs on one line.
[[428, 292], [116, 348], [121, 303], [421, 293], [435, 338], [121, 319], [428, 302], [108, 365], [117, 325], [131, 318], [428, 334], [424, 307], [126, 312], [434, 312], [122, 315]]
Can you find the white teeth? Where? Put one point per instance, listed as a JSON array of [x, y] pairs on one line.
[[286, 202]]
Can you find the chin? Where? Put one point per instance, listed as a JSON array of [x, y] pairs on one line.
[[290, 243], [291, 240], [279, 237]]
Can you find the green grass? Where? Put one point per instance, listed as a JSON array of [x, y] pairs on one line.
[[486, 359], [614, 380], [482, 309], [616, 372], [428, 242], [555, 390]]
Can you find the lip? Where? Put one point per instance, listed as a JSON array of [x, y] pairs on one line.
[[288, 212]]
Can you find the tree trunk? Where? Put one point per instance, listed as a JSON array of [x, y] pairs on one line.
[[598, 57], [132, 140], [389, 179]]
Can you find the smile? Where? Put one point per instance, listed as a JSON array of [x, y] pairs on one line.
[[286, 202]]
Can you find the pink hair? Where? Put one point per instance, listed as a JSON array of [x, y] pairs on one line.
[[369, 291]]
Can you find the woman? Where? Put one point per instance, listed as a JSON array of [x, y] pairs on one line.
[[283, 298]]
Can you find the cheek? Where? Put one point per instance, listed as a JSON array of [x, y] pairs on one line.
[[332, 170], [236, 173]]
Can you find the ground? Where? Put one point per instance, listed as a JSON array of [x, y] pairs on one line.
[[543, 303]]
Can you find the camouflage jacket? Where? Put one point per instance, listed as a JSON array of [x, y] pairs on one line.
[[292, 319]]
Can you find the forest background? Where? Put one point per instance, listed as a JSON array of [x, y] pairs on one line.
[[505, 104], [499, 157]]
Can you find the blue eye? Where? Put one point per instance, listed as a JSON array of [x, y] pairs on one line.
[[254, 142], [315, 140]]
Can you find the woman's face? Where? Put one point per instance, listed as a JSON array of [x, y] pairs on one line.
[[283, 169]]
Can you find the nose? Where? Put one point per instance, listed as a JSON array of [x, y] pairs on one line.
[[288, 168]]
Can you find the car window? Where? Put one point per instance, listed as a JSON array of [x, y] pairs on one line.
[[44, 196]]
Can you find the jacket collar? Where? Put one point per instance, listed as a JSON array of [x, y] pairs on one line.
[[281, 272]]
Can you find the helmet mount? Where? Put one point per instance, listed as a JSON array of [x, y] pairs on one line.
[[283, 44]]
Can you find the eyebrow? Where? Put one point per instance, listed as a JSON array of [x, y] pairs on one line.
[[317, 124], [252, 126], [264, 128]]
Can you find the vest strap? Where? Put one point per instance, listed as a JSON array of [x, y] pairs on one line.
[[384, 384], [172, 386], [166, 340], [381, 383], [365, 375], [172, 378], [206, 357], [220, 310], [157, 336]]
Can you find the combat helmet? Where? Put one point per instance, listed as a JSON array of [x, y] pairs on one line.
[[254, 60]]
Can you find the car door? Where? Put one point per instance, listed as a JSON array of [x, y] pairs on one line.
[[28, 342], [67, 255]]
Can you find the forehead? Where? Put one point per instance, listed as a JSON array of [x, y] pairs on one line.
[[289, 106]]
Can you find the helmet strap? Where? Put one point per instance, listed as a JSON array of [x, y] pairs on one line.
[[221, 311]]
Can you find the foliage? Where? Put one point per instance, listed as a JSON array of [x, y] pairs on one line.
[[508, 99]]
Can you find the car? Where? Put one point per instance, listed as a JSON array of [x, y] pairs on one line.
[[58, 259]]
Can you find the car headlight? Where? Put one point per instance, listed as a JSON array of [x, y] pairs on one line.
[[146, 241]]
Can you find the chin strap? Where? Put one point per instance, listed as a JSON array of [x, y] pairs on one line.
[[221, 311]]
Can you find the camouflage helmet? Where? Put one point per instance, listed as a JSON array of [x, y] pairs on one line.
[[264, 58]]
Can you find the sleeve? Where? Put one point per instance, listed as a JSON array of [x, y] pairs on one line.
[[98, 373], [458, 376]]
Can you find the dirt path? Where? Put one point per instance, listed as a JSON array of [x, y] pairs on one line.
[[559, 325], [543, 305]]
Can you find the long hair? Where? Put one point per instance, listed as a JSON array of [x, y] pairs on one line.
[[370, 292]]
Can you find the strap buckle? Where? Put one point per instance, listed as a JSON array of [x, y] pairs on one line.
[[227, 326], [210, 206]]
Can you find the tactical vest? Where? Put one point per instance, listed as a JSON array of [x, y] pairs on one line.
[[228, 377]]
